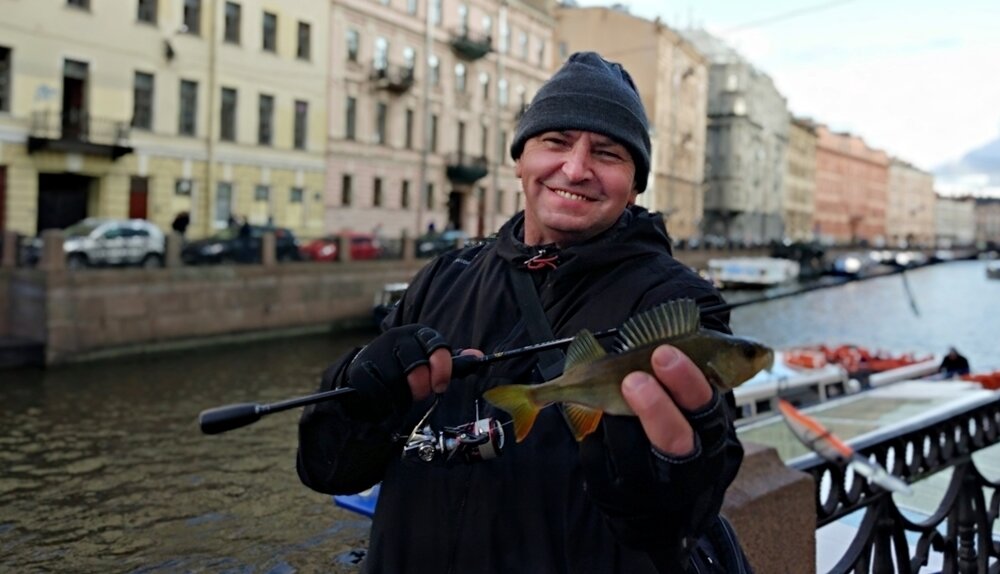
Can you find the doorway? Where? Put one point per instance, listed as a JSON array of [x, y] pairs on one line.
[[138, 197], [74, 100], [456, 202], [62, 199]]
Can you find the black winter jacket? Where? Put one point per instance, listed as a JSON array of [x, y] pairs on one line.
[[536, 508]]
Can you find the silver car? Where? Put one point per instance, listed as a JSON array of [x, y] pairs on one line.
[[98, 242]]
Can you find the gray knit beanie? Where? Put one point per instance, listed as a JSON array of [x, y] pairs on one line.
[[591, 94]]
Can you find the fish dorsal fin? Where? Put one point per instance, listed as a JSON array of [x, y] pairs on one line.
[[582, 420], [583, 350], [671, 319]]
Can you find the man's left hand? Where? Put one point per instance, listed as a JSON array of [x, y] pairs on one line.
[[660, 401]]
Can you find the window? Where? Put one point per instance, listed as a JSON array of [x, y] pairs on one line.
[[304, 49], [265, 119], [146, 11], [270, 34], [183, 187], [522, 41], [381, 58], [353, 44], [4, 79], [227, 119], [411, 7], [404, 194], [142, 101], [484, 81], [192, 17], [295, 195], [381, 111], [223, 203], [436, 12], [188, 118], [85, 4], [503, 94], [435, 70], [409, 58], [460, 137], [377, 192], [498, 207], [463, 19], [301, 124], [408, 132], [488, 25], [261, 192], [429, 196], [484, 141], [434, 133], [345, 189], [460, 77], [233, 17], [504, 37], [350, 120]]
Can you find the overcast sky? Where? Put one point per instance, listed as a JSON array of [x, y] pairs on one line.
[[919, 79]]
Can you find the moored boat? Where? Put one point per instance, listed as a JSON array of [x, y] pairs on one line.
[[752, 272]]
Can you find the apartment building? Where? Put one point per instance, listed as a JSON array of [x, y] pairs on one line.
[[988, 221], [672, 77], [423, 100], [146, 108], [852, 186], [909, 214], [800, 181], [955, 221], [745, 159]]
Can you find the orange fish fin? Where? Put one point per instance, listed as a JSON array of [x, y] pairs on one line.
[[582, 420], [516, 400]]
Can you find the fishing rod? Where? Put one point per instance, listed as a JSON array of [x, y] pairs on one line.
[[229, 417]]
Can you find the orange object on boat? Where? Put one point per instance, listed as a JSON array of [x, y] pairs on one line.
[[989, 381], [805, 358]]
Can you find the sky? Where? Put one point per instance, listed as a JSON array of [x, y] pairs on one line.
[[919, 79]]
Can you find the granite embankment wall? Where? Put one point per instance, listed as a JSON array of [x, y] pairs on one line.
[[94, 313]]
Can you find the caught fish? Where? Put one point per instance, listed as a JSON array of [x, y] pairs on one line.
[[591, 381], [824, 443]]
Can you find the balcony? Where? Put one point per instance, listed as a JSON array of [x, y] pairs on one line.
[[470, 46], [393, 79], [466, 169], [78, 133]]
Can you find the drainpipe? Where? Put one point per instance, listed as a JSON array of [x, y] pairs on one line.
[[206, 207], [426, 113]]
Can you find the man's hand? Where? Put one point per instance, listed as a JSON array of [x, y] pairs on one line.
[[660, 401]]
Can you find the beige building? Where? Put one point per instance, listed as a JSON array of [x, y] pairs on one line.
[[909, 214], [153, 107], [423, 107], [800, 181], [672, 78], [988, 221], [955, 221]]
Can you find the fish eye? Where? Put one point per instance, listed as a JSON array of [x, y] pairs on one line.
[[749, 350]]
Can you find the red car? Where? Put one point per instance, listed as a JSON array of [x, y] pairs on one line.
[[363, 246]]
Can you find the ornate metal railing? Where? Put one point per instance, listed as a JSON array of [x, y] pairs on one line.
[[78, 131], [961, 529]]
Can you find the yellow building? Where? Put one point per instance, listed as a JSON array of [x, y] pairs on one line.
[[672, 77], [424, 97], [154, 107], [800, 181], [910, 212]]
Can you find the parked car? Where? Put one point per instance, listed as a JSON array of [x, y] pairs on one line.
[[102, 242], [363, 246], [435, 244], [240, 244]]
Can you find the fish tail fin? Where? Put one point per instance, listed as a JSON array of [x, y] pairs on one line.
[[516, 400], [582, 420]]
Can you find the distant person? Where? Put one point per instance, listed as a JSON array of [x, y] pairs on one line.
[[244, 247], [954, 364], [232, 222], [181, 222]]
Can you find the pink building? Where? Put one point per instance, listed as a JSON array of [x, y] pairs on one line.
[[852, 182]]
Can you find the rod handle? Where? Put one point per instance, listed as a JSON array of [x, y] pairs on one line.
[[464, 365], [229, 417]]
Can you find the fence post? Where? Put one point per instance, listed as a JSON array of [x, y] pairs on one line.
[[173, 255], [53, 257], [268, 249], [10, 247]]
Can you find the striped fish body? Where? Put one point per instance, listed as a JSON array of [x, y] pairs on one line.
[[591, 380]]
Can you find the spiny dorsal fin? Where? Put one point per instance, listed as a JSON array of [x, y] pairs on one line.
[[666, 321], [582, 420], [583, 350]]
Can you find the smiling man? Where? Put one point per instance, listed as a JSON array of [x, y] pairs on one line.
[[640, 494]]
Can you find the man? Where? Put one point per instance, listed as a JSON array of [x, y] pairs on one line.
[[634, 494], [954, 364]]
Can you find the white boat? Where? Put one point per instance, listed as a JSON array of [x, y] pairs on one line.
[[758, 272], [993, 270]]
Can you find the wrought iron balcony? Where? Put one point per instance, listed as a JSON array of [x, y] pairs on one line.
[[470, 46], [394, 79], [961, 527], [467, 169], [78, 132]]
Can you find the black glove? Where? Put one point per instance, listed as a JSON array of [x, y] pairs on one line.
[[652, 499], [378, 372]]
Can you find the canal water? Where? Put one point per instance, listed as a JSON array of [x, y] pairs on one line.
[[103, 468]]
